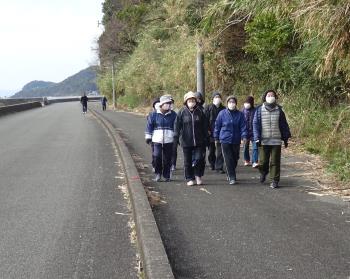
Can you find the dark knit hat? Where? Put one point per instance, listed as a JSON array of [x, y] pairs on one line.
[[265, 94], [215, 93], [155, 100], [250, 100], [199, 96], [231, 98]]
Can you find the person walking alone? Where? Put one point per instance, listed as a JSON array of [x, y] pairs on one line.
[[191, 129], [215, 158], [230, 129], [104, 103], [84, 100], [160, 132], [248, 111], [270, 129]]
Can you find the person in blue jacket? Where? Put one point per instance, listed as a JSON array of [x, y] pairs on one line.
[[160, 132], [230, 129], [270, 129]]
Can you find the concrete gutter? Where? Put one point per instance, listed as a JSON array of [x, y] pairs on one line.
[[19, 107], [155, 261]]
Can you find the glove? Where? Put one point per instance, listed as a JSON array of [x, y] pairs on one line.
[[148, 141], [285, 144], [258, 143]]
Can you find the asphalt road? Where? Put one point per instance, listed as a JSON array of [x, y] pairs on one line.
[[62, 214], [248, 230]]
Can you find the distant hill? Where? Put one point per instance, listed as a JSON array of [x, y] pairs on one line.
[[81, 82]]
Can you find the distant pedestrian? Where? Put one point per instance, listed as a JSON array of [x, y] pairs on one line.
[[84, 100], [215, 158], [104, 103], [160, 132], [248, 111], [270, 129], [191, 129], [230, 129]]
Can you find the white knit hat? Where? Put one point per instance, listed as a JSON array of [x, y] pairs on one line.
[[165, 99], [189, 95]]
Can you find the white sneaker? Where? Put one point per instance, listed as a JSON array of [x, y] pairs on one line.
[[247, 163], [255, 165], [199, 180], [190, 183]]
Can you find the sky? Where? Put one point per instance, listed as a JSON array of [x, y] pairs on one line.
[[46, 40]]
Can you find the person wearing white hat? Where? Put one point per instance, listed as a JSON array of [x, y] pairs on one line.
[[160, 132], [191, 129]]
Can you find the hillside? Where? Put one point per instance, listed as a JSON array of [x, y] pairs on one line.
[[83, 81], [299, 48]]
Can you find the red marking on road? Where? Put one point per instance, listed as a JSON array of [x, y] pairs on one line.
[[135, 177]]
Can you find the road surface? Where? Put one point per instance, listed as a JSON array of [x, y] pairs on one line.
[[62, 214]]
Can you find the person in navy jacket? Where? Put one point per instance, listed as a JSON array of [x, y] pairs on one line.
[[230, 129], [160, 132]]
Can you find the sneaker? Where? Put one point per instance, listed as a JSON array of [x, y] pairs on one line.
[[222, 171], [247, 163], [274, 184], [167, 179], [255, 165], [262, 178], [157, 178], [173, 168], [190, 183], [232, 181], [199, 180]]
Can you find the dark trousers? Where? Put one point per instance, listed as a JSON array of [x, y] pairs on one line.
[[193, 157], [84, 107], [103, 106], [215, 158], [270, 161], [162, 158], [231, 157], [174, 156]]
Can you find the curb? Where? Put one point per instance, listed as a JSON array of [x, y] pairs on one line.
[[154, 258]]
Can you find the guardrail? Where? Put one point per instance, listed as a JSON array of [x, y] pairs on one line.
[[15, 105], [19, 107]]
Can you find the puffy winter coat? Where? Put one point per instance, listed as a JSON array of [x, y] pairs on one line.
[[191, 128], [160, 127], [283, 125], [230, 127]]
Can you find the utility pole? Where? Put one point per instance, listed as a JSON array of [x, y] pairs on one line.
[[113, 88], [200, 70]]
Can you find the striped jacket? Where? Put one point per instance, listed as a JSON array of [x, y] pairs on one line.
[[160, 127]]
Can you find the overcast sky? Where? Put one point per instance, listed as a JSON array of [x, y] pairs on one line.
[[46, 40]]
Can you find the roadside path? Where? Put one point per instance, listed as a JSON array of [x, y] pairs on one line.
[[244, 231]]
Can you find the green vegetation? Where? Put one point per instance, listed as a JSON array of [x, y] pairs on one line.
[[300, 48]]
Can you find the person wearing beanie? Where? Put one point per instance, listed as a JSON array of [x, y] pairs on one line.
[[230, 129], [191, 130], [215, 158], [160, 132], [155, 107], [270, 129], [248, 111]]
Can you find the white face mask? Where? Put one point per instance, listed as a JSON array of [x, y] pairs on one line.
[[156, 106], [166, 107], [172, 107], [270, 100], [217, 101], [191, 104], [247, 106], [231, 106]]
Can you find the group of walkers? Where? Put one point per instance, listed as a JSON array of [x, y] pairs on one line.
[[84, 101], [221, 129]]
